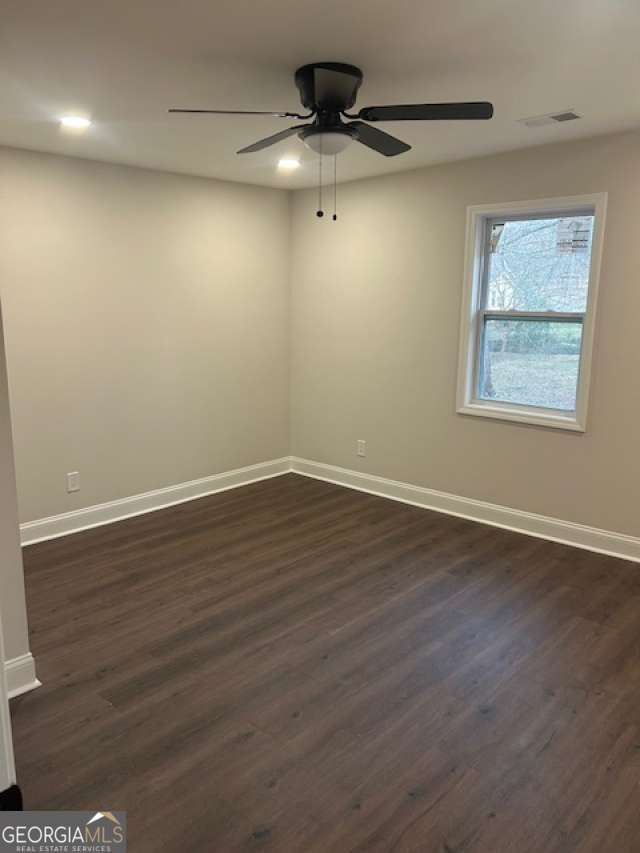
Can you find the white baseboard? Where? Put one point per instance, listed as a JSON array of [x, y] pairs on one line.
[[532, 524], [567, 532], [106, 513], [21, 675]]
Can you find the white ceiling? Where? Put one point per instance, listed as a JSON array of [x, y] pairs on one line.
[[124, 62]]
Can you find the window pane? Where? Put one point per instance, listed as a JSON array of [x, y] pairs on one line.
[[531, 362], [539, 264]]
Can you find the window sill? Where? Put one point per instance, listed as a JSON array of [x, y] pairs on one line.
[[522, 415]]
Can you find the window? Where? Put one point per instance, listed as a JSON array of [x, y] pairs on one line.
[[531, 281]]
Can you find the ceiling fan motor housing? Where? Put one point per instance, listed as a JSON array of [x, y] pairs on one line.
[[328, 87]]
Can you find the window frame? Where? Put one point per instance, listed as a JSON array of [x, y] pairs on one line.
[[474, 314]]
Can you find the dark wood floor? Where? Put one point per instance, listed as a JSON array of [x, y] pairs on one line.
[[293, 666]]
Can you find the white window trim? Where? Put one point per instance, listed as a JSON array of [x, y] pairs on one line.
[[467, 402]]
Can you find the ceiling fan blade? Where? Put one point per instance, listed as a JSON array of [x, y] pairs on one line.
[[241, 113], [380, 141], [428, 112], [271, 140]]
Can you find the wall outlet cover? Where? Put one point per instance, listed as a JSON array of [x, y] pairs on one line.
[[73, 481]]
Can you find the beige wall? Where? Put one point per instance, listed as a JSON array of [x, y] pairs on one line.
[[375, 323], [12, 603], [146, 321]]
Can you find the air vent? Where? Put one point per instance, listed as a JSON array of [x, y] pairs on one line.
[[568, 116], [550, 118]]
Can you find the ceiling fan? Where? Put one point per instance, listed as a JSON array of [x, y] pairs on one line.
[[327, 91]]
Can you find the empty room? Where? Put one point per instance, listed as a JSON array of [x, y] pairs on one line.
[[319, 403]]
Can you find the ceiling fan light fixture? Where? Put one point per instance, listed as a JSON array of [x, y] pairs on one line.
[[326, 142]]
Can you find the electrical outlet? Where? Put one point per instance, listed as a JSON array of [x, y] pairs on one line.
[[361, 447], [73, 481]]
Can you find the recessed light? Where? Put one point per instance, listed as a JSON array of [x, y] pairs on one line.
[[287, 164], [75, 122]]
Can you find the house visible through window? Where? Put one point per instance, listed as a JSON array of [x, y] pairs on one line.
[[574, 233], [530, 313]]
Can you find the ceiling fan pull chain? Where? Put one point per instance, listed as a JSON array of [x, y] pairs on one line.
[[335, 187], [320, 211]]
